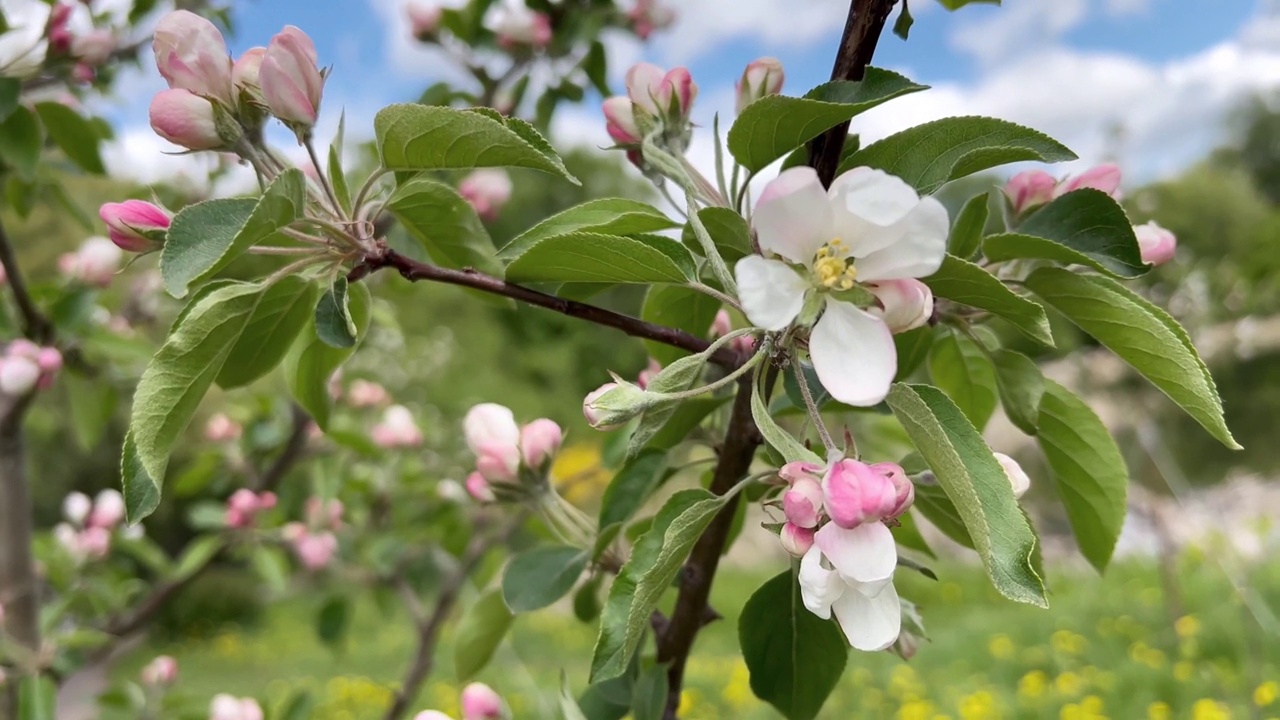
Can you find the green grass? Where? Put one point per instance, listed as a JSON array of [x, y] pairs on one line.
[[1108, 648]]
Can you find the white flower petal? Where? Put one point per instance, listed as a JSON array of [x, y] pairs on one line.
[[917, 252], [772, 294], [864, 554], [853, 354], [870, 623], [819, 587], [868, 207], [793, 216]]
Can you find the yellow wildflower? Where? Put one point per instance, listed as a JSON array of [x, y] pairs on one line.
[[1266, 693], [1186, 626], [1000, 647]]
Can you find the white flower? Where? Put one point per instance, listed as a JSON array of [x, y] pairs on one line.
[[851, 572], [869, 227], [23, 46]]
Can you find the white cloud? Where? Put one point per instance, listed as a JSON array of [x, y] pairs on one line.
[[1017, 27]]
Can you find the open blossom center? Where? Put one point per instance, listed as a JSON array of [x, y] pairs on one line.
[[832, 266]]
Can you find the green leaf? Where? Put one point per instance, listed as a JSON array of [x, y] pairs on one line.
[[649, 698], [208, 236], [632, 486], [333, 321], [682, 375], [177, 378], [93, 405], [933, 503], [333, 620], [445, 224], [795, 657], [20, 143], [1085, 227], [1090, 471], [10, 89], [961, 369], [479, 633], [966, 231], [591, 257], [333, 170], [1143, 335], [688, 415], [569, 709], [607, 216], [913, 348], [75, 135], [655, 561], [1021, 387], [537, 578], [728, 230], [299, 707], [775, 125], [196, 556], [596, 66], [968, 284], [311, 361], [907, 535], [677, 307], [780, 440], [930, 155], [283, 312], [141, 489], [37, 698], [976, 484], [420, 137]]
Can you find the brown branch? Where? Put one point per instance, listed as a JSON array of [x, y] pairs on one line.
[[293, 450], [429, 626], [34, 323], [413, 270], [862, 31]]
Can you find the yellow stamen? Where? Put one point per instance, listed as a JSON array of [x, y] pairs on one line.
[[831, 268]]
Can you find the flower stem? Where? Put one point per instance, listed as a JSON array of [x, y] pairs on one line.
[[323, 178], [737, 373], [814, 413], [708, 290]]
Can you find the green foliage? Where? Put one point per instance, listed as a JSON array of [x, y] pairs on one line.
[[783, 442], [77, 137], [774, 125], [482, 628], [20, 141], [677, 307], [607, 216], [312, 361], [633, 484], [967, 230], [929, 155], [976, 484], [728, 230], [1085, 227], [795, 658], [968, 284], [538, 577], [1021, 386], [334, 323], [282, 313], [592, 257], [445, 224], [960, 367]]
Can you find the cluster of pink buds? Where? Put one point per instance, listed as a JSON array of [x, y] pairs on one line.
[[86, 534], [479, 702], [230, 707], [760, 78], [160, 672], [212, 101], [507, 454], [94, 263], [487, 190], [654, 99], [646, 16], [397, 429], [244, 506], [849, 493], [364, 393], [25, 366], [517, 27], [315, 547], [136, 225], [222, 428], [88, 49], [1031, 189]]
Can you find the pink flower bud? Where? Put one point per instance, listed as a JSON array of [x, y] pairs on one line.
[[1105, 177], [323, 513], [620, 121], [904, 489], [424, 19], [1030, 189], [539, 442], [487, 189], [221, 428], [762, 77], [160, 672], [268, 500], [76, 507], [796, 540], [649, 15], [480, 702], [185, 119], [744, 345], [647, 374], [83, 73], [292, 83], [49, 359], [23, 348], [60, 37], [516, 25], [478, 488], [246, 73], [192, 55], [227, 707], [95, 263], [397, 429], [244, 505], [676, 94], [593, 415], [722, 325], [794, 472], [94, 543], [367, 394], [905, 304], [802, 503], [108, 510], [499, 463], [316, 550], [1158, 245], [94, 47], [855, 493], [1017, 477], [18, 375], [490, 425], [135, 225]]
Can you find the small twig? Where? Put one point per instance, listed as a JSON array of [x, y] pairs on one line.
[[294, 448], [814, 413], [322, 176], [34, 323]]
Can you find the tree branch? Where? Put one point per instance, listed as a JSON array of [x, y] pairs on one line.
[[413, 270], [294, 447], [34, 323], [19, 589], [862, 31]]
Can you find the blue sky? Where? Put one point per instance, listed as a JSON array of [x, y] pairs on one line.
[[1145, 82]]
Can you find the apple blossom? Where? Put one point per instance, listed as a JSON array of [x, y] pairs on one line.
[[59, 33], [855, 493], [904, 489], [221, 428], [186, 119], [849, 571], [762, 77], [244, 505], [108, 509], [1017, 476], [494, 437], [795, 540], [397, 429], [798, 470], [23, 45], [76, 507], [869, 227], [905, 304], [192, 55], [292, 82], [539, 442], [478, 488], [135, 225], [93, 543], [722, 325], [246, 74], [487, 190], [367, 394], [668, 95], [1029, 189], [620, 120], [229, 707], [315, 550], [323, 513], [424, 19], [163, 670], [649, 15], [94, 47], [1105, 177], [515, 25], [480, 702], [612, 404], [1158, 245], [94, 263], [18, 375], [802, 503]]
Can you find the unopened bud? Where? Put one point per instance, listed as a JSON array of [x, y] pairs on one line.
[[291, 80], [186, 119], [904, 489], [480, 702], [246, 74], [192, 55], [1017, 477], [762, 77], [487, 190], [796, 540], [397, 429], [18, 375], [1158, 245], [515, 25], [855, 493], [424, 19], [647, 375], [905, 304], [676, 95], [620, 120], [94, 47], [160, 672], [802, 503], [722, 325], [135, 225], [1029, 190], [108, 509], [605, 408], [478, 488], [539, 442], [76, 507], [1105, 177]]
